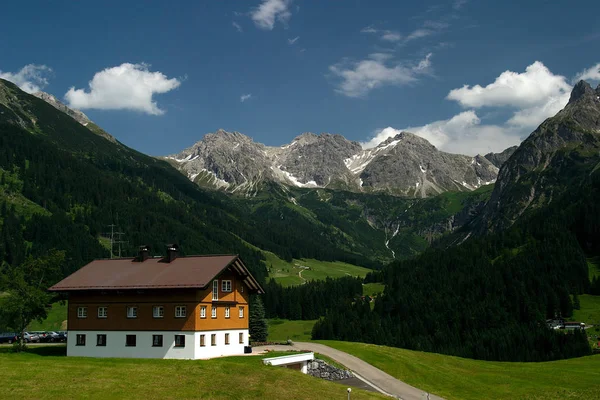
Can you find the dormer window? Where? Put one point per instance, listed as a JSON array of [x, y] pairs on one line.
[[226, 286]]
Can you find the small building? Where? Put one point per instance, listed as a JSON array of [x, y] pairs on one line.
[[294, 361], [193, 307], [574, 325]]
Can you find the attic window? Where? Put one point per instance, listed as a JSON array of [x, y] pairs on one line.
[[226, 286]]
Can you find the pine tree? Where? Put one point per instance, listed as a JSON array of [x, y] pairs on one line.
[[258, 323], [576, 303]]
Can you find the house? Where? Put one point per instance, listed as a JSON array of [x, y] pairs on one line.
[[192, 307]]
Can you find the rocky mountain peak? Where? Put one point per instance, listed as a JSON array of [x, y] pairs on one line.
[[405, 164], [582, 90], [53, 101]]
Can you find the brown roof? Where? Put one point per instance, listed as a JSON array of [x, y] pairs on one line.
[[154, 273]]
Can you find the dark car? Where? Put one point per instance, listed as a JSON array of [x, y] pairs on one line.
[[8, 337], [62, 336]]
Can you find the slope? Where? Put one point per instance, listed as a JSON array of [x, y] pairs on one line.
[[461, 378], [84, 182]]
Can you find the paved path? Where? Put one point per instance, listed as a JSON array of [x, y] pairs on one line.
[[380, 380]]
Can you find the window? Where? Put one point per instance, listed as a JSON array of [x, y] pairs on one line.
[[242, 288], [227, 312], [180, 312], [213, 312], [179, 340], [158, 312], [102, 312], [202, 344], [100, 340], [157, 340], [241, 312], [226, 286], [215, 293], [241, 337], [80, 340], [82, 312], [130, 340], [132, 312], [202, 311], [227, 338], [213, 339]]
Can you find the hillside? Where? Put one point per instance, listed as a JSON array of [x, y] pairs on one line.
[[557, 157], [26, 376], [488, 296], [461, 378], [64, 182]]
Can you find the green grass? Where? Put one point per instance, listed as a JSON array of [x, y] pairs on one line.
[[45, 374], [371, 289], [589, 311], [288, 273], [461, 378], [283, 329], [56, 321]]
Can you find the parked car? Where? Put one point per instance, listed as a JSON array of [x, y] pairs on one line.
[[44, 337], [8, 337], [62, 336], [30, 338], [54, 336]]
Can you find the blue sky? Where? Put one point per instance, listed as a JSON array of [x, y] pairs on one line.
[[166, 74]]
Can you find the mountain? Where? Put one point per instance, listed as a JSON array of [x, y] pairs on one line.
[[405, 165], [75, 114], [558, 156], [500, 158], [63, 184]]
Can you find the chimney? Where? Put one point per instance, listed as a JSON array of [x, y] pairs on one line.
[[172, 252], [143, 253]]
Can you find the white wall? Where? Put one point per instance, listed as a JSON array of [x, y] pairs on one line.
[[115, 344]]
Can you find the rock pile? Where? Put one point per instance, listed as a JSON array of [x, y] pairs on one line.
[[320, 369]]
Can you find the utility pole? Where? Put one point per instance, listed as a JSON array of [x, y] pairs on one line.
[[115, 238]]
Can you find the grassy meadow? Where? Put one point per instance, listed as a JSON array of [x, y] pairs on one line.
[[56, 321], [461, 378], [45, 373], [299, 271], [283, 329]]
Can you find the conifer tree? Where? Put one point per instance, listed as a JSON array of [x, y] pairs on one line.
[[259, 329]]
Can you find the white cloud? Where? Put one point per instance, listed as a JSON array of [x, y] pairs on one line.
[[245, 97], [359, 78], [462, 134], [269, 11], [368, 29], [419, 33], [534, 95], [237, 26], [531, 117], [31, 78], [125, 87], [528, 89], [391, 36], [592, 74], [294, 40], [458, 4]]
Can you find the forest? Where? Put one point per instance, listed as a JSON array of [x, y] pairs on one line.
[[489, 297]]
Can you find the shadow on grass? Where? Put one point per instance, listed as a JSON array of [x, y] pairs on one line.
[[44, 351]]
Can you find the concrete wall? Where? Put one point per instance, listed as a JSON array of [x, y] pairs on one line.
[[115, 344]]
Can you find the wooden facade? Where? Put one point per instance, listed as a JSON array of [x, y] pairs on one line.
[[117, 302]]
